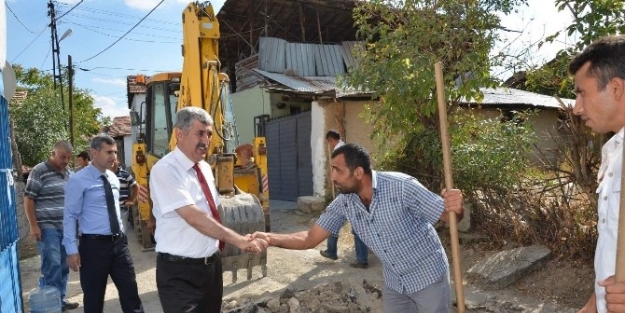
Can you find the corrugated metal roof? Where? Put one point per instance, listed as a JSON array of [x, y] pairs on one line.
[[511, 96], [311, 84], [315, 85], [325, 85], [303, 59], [346, 50]]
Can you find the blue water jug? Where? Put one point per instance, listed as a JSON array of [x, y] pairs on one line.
[[45, 299]]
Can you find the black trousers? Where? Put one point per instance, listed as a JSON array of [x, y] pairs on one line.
[[189, 287], [99, 259]]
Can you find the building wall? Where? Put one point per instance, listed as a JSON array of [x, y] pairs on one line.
[[283, 104], [345, 117], [545, 124], [128, 142], [319, 149], [246, 105]]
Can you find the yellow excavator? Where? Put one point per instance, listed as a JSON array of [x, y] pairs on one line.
[[240, 172]]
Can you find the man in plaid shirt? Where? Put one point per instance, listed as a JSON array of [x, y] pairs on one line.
[[394, 215]]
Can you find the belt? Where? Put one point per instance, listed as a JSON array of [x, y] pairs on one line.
[[113, 237], [181, 259]]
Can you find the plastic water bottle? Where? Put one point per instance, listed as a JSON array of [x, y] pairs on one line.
[[45, 299]]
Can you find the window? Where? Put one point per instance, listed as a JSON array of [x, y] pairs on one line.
[[160, 132]]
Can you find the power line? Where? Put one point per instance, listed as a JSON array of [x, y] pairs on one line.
[[70, 10], [120, 68], [112, 13], [91, 28], [124, 35], [41, 32], [17, 18], [110, 21], [46, 58]]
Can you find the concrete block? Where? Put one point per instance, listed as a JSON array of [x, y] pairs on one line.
[[310, 204], [504, 268]]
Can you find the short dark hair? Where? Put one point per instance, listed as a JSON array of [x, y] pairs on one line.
[[62, 145], [84, 155], [96, 141], [333, 134], [355, 156], [607, 60]]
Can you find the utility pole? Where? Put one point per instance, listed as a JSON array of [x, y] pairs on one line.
[[70, 74], [56, 52]]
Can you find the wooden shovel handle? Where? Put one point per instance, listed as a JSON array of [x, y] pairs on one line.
[[449, 184]]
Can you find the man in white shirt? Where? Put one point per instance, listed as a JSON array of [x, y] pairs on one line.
[[599, 73], [334, 139], [188, 231]]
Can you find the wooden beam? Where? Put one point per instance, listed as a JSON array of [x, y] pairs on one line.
[[251, 11], [302, 20], [319, 25]]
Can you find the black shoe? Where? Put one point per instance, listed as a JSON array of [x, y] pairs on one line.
[[325, 254], [357, 264], [69, 305]]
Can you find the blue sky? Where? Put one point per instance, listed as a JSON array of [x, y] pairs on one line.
[[154, 46]]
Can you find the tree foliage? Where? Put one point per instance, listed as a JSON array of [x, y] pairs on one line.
[[489, 154], [402, 42], [40, 119], [591, 20]]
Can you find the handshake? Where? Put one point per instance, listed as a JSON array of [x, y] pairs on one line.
[[255, 243]]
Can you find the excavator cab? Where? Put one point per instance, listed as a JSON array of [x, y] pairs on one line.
[[161, 100]]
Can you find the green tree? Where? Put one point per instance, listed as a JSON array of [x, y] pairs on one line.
[[402, 42], [591, 20], [40, 119]]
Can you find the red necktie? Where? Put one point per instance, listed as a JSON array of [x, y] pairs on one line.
[[209, 198]]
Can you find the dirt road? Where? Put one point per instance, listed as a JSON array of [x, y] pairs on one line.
[[544, 291], [296, 270]]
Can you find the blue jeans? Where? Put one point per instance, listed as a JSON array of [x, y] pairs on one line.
[[362, 252], [331, 245], [53, 259]]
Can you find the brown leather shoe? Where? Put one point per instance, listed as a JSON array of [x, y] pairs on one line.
[[357, 264]]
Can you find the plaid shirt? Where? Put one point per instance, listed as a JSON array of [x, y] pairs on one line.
[[398, 227]]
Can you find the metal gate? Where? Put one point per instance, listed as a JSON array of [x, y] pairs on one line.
[[289, 157], [10, 287]]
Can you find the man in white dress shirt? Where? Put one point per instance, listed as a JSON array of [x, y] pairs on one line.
[[599, 73], [188, 231]]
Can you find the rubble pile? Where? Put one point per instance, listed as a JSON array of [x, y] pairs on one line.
[[335, 297]]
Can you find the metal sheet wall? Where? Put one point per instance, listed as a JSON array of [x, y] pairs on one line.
[[10, 285], [289, 157]]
